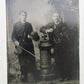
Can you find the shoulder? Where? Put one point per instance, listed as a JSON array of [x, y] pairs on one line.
[[63, 23], [28, 27], [49, 25], [28, 23], [16, 25]]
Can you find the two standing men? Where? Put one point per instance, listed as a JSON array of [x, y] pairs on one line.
[[21, 36]]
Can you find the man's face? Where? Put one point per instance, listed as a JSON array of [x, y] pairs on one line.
[[55, 17], [23, 16]]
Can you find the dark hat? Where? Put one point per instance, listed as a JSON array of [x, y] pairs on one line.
[[35, 36]]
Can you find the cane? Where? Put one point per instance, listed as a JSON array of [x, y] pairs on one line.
[[27, 51]]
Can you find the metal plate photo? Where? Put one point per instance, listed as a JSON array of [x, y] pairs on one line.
[[42, 41]]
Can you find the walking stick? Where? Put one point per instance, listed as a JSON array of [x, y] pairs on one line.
[[27, 51]]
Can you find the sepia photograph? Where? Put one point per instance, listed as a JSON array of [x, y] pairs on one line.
[[42, 41]]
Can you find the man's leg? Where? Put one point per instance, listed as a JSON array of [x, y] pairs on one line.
[[31, 69], [24, 67]]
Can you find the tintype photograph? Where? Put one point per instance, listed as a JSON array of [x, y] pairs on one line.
[[42, 41]]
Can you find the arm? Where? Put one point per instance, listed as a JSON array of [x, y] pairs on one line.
[[33, 35], [43, 29], [47, 28], [30, 31], [13, 37]]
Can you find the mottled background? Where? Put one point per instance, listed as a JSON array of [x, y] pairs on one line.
[[40, 11], [39, 14]]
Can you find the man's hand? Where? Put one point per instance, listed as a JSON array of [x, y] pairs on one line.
[[16, 43], [29, 36], [52, 60], [52, 50], [49, 30]]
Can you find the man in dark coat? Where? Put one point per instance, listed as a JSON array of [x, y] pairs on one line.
[[58, 38], [21, 37]]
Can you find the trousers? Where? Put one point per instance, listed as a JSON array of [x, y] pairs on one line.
[[27, 64]]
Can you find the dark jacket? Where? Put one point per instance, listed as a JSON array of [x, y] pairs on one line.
[[21, 32]]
